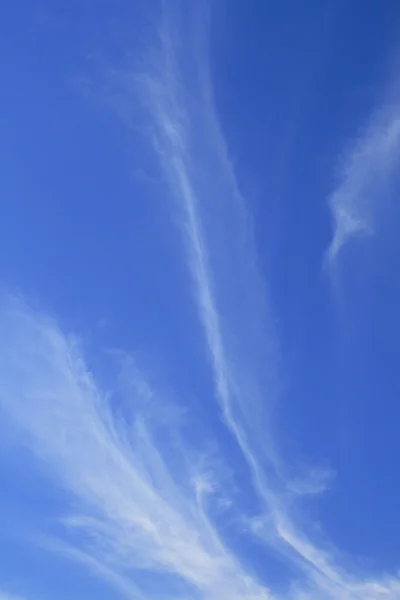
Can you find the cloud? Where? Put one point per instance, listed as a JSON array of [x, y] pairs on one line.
[[367, 171], [143, 509], [137, 518], [216, 228], [136, 515], [229, 291], [219, 247]]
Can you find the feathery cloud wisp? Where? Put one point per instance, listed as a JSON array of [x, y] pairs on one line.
[[139, 516], [229, 291], [136, 515], [365, 178]]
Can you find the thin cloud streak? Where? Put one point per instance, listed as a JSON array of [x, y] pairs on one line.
[[368, 168], [136, 515], [177, 142], [212, 218], [185, 118]]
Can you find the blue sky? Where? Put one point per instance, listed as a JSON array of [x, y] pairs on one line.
[[199, 294]]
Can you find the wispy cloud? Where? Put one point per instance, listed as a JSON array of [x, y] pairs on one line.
[[136, 514], [229, 292], [216, 227], [137, 517], [217, 231], [365, 179], [143, 507]]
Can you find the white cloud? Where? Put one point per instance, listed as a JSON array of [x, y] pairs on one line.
[[228, 289], [216, 230], [135, 513], [365, 178], [138, 513]]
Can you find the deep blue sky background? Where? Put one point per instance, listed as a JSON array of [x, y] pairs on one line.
[[87, 236]]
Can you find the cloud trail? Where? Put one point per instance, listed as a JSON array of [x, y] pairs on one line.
[[223, 266], [217, 235], [139, 516], [219, 246], [365, 179], [136, 515]]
